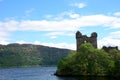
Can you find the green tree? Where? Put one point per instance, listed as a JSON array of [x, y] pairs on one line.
[[115, 56], [88, 61]]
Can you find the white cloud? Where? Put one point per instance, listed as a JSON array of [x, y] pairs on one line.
[[57, 45], [48, 16], [62, 45], [53, 37], [4, 35], [72, 24], [58, 27], [6, 29], [4, 42], [115, 34], [108, 42], [115, 23], [21, 42], [10, 25], [117, 14], [70, 34], [54, 33], [63, 15], [79, 5], [44, 25]]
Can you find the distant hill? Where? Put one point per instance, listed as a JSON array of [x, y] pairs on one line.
[[21, 55]]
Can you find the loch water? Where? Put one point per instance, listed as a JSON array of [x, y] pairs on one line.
[[40, 73]]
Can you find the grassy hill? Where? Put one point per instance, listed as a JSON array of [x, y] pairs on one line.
[[21, 55]]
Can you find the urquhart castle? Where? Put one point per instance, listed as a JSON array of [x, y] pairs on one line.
[[80, 39]]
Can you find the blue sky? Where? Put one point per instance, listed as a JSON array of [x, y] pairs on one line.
[[55, 22]]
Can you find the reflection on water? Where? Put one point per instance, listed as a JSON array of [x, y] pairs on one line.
[[87, 78], [40, 73]]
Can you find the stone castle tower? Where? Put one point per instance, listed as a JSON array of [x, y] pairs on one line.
[[80, 39]]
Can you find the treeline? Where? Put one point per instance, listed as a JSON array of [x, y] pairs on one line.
[[91, 62], [16, 55]]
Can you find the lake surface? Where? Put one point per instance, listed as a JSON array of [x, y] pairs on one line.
[[40, 73]]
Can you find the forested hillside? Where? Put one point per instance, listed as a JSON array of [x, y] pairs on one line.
[[21, 55]]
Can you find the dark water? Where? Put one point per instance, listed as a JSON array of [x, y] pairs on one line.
[[40, 73]]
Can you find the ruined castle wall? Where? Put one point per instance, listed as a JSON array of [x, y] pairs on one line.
[[81, 39]]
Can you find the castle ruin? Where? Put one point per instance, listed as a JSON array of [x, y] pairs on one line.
[[80, 39], [107, 49]]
